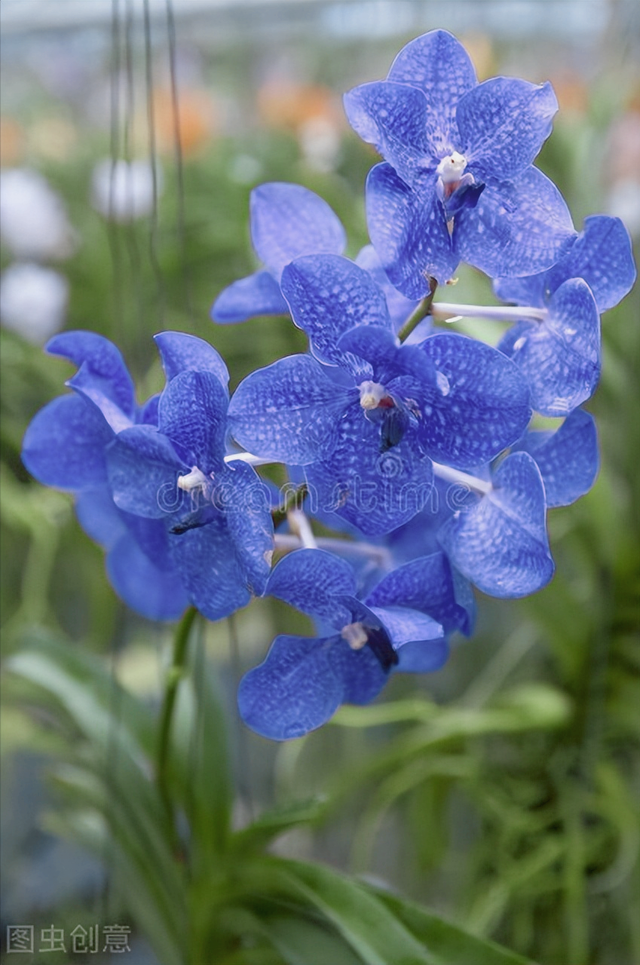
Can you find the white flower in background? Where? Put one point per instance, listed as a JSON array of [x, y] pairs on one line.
[[33, 301], [623, 202], [320, 142], [123, 190], [33, 220]]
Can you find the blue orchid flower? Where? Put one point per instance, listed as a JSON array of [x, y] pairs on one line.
[[65, 447], [367, 416], [500, 542], [139, 490], [457, 182], [287, 222], [602, 255], [220, 535], [304, 680], [568, 459], [139, 565], [559, 355]]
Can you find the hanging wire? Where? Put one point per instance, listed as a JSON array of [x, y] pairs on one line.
[[114, 148], [131, 240], [161, 295], [175, 108]]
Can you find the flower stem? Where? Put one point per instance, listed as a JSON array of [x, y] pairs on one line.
[[293, 499], [423, 309], [450, 312], [173, 678]]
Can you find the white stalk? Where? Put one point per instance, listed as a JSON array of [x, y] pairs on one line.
[[300, 524], [480, 486], [252, 460], [451, 312], [284, 541]]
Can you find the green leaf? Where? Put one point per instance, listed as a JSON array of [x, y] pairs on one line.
[[448, 944], [369, 928], [302, 942], [527, 707], [149, 881], [85, 689], [270, 824], [200, 763], [112, 775]]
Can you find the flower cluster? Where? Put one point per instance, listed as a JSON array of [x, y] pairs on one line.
[[415, 445]]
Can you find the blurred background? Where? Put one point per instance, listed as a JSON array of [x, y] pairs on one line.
[[528, 832]]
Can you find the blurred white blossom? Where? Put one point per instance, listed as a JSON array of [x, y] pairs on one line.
[[33, 300], [320, 142], [123, 191], [623, 202], [33, 219]]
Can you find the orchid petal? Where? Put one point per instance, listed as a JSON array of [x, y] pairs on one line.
[[102, 363], [288, 220], [64, 445], [209, 568], [560, 358], [192, 414], [375, 491], [287, 411], [517, 227], [257, 294], [296, 689], [395, 118], [501, 544], [405, 625], [602, 255], [143, 470], [438, 65], [154, 593], [481, 407], [400, 308], [503, 123], [245, 504], [186, 353], [567, 459], [409, 232], [426, 584], [312, 581], [328, 295]]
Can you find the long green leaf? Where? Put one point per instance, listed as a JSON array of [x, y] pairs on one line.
[[85, 688], [303, 942], [271, 824], [448, 944], [368, 927], [112, 772], [151, 886], [87, 828], [201, 769]]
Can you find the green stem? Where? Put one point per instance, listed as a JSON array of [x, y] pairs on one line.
[[293, 499], [422, 310], [174, 676]]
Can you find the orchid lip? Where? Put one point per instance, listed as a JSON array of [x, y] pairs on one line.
[[371, 394], [355, 635]]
